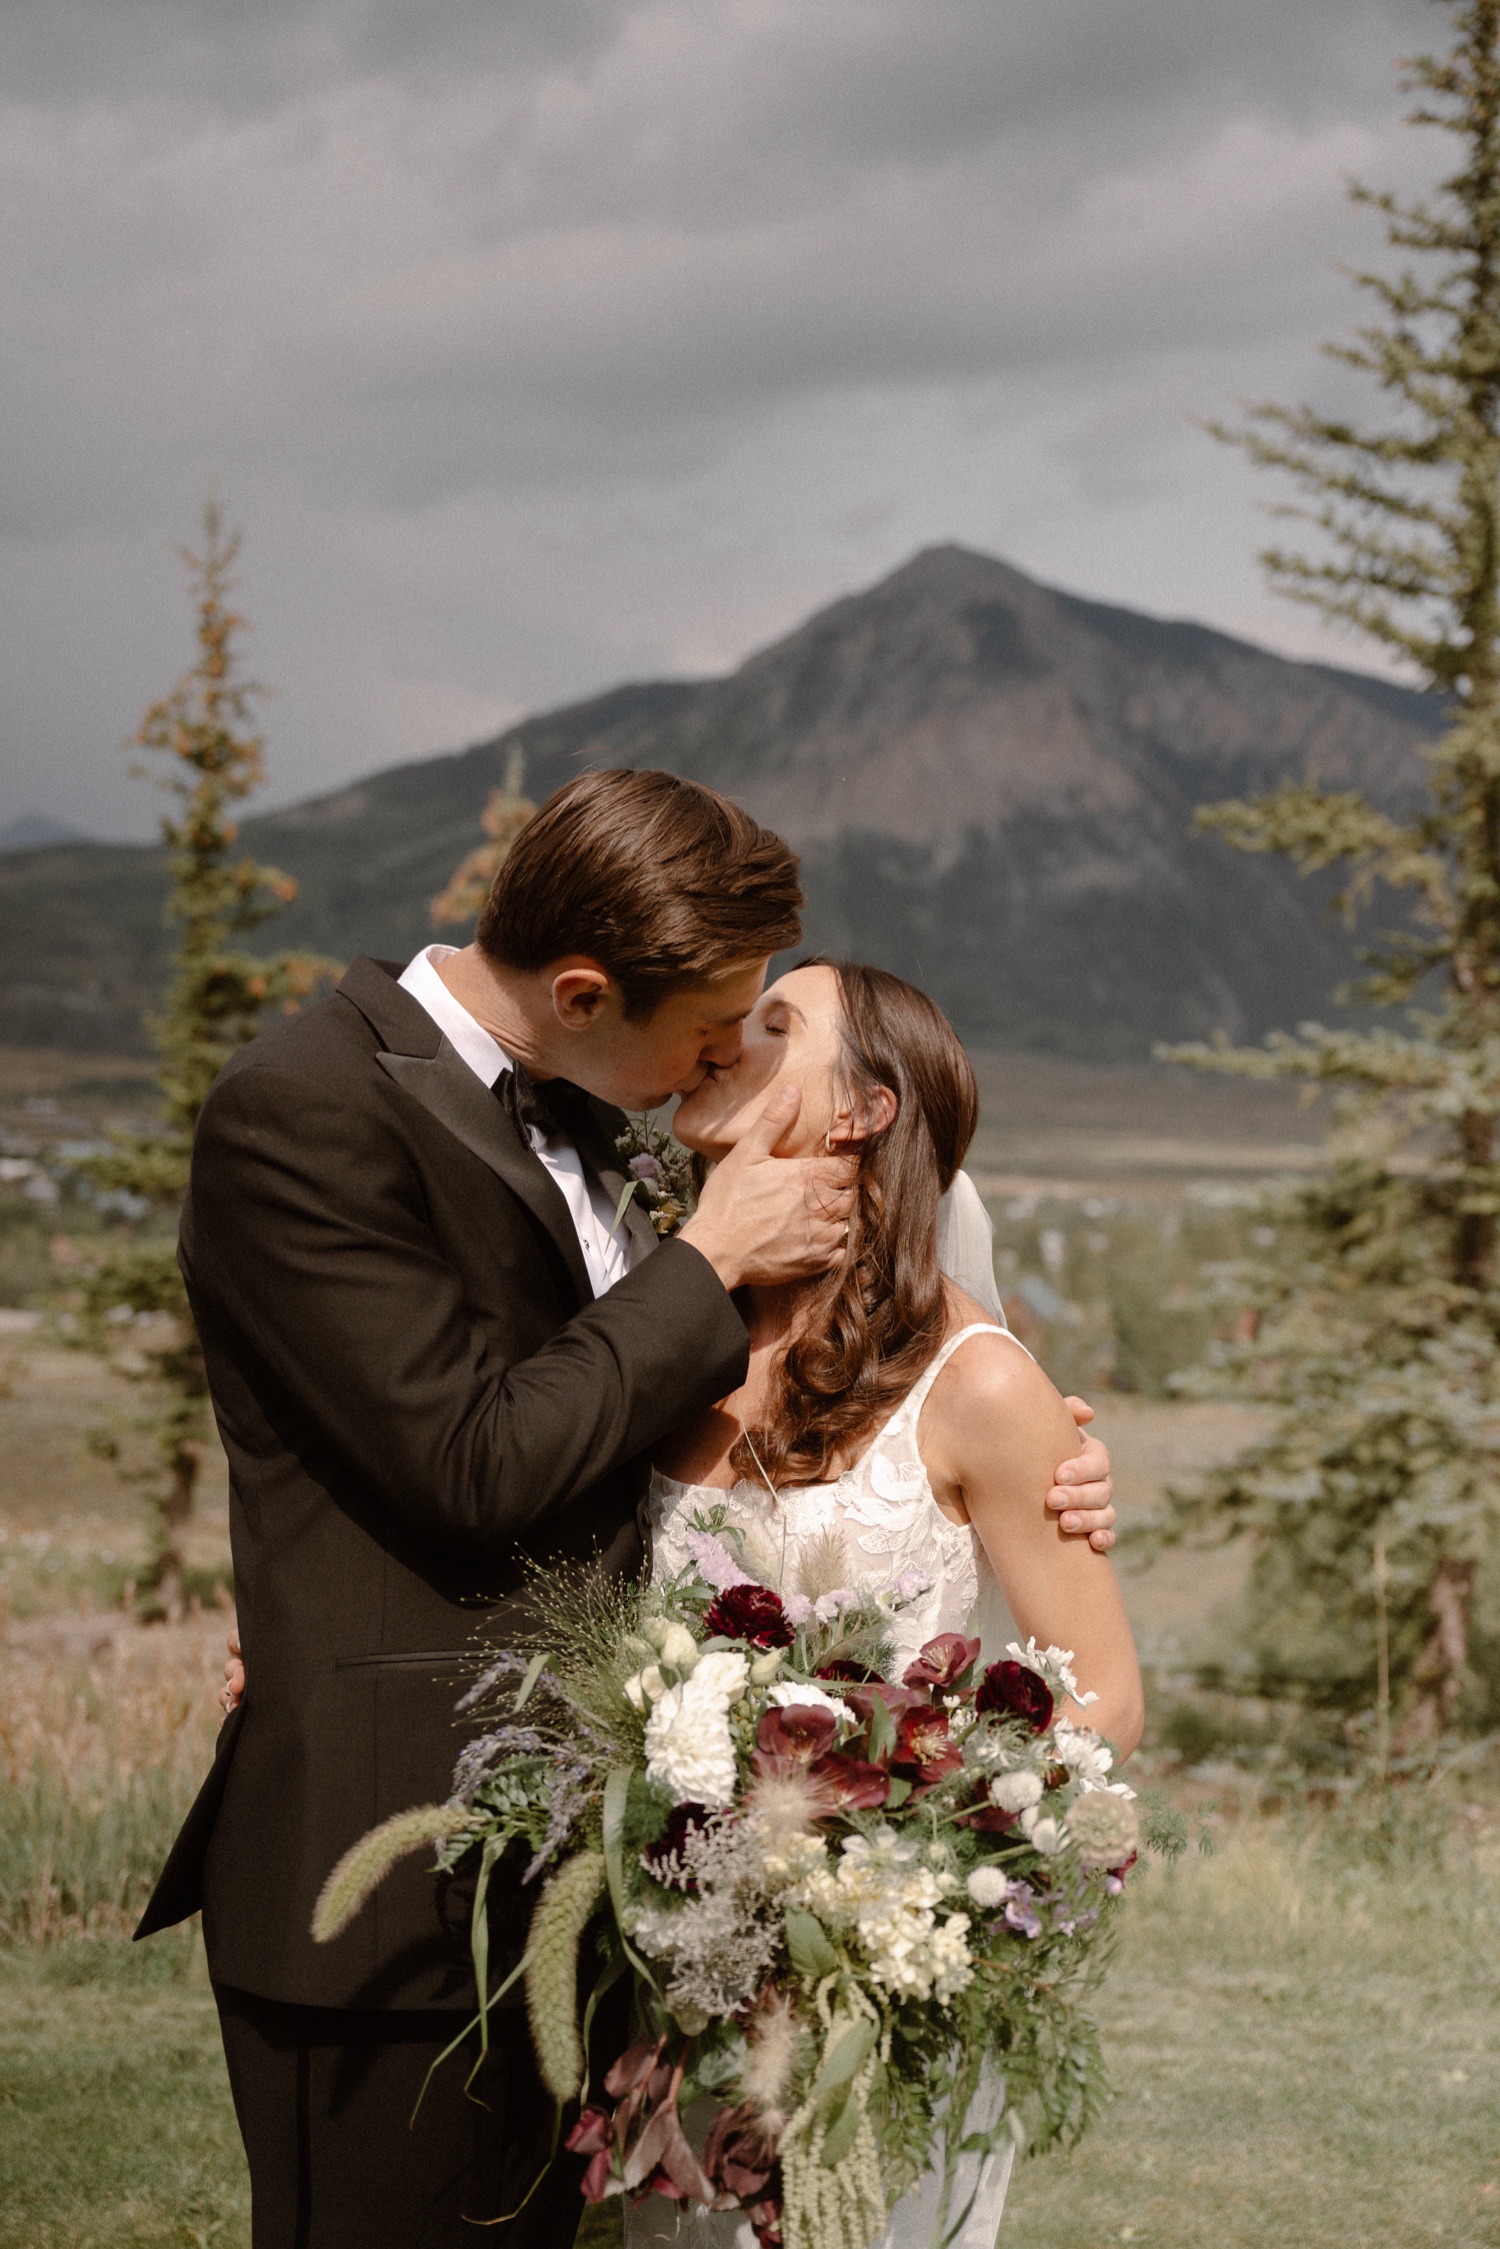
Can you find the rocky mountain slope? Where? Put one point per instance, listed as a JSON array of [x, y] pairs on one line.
[[992, 785]]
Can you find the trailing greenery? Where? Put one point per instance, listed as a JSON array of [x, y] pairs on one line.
[[134, 1309], [1373, 1504]]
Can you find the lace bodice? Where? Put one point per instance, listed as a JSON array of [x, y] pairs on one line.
[[876, 1521]]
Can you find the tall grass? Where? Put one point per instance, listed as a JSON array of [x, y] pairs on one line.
[[102, 1750]]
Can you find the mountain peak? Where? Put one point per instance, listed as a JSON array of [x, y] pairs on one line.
[[35, 831], [992, 783]]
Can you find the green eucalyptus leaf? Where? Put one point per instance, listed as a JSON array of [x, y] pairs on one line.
[[850, 2053], [812, 1955], [882, 1731], [839, 2137]]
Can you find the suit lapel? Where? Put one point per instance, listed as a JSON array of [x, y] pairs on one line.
[[448, 1090], [419, 1059]]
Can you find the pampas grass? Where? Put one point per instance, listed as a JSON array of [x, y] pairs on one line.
[[365, 1865], [773, 2040], [562, 1914]]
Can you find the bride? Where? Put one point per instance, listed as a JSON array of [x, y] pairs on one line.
[[888, 1422]]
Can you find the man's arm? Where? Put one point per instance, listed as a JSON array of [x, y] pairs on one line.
[[309, 1240]]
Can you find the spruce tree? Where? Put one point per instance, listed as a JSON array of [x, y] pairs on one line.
[[505, 814], [204, 752], [1373, 1504]]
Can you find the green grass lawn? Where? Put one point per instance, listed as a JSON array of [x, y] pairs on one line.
[[116, 2130], [1304, 2054], [1304, 2046]]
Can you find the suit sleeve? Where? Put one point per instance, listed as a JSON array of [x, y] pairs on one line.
[[307, 1235]]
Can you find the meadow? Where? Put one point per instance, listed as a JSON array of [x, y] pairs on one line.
[[1299, 2025]]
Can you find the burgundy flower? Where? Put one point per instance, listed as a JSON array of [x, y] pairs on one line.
[[943, 1663], [897, 1700], [923, 1751], [859, 1674], [1014, 1690], [739, 2153], [592, 2136], [634, 2067], [988, 1819], [590, 2133], [795, 1735], [749, 1612], [765, 2217], [594, 2184], [858, 1786]]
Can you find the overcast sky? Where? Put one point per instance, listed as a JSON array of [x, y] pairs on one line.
[[539, 344]]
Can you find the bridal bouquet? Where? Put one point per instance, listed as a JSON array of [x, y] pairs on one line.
[[849, 1907]]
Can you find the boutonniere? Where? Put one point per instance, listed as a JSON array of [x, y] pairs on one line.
[[660, 1175]]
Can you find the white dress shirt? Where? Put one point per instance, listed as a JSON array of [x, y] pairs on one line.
[[606, 1250]]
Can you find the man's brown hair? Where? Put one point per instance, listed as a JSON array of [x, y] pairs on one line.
[[661, 881]]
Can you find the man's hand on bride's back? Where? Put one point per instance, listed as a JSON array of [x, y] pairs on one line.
[[232, 1693], [1082, 1497], [769, 1218]]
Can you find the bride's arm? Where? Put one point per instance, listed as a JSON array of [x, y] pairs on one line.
[[992, 1434]]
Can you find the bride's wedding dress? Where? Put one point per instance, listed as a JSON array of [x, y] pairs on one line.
[[879, 1519]]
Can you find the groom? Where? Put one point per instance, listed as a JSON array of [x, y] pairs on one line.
[[435, 1356]]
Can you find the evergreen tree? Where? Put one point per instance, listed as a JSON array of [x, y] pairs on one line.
[[206, 755], [1373, 1505], [504, 816]]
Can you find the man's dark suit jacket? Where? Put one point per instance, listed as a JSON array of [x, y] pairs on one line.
[[414, 1383]]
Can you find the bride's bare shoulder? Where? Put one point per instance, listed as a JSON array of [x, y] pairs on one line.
[[989, 1385]]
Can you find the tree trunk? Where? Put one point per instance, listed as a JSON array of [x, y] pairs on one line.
[[1439, 1671], [164, 1589], [1476, 1229]]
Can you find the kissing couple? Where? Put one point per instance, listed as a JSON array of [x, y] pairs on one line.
[[448, 1353]]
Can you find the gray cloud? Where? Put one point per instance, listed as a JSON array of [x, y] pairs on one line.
[[541, 342]]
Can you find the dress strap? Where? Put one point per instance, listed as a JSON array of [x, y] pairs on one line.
[[916, 1398]]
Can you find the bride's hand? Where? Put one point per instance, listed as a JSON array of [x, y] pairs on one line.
[[232, 1693], [1083, 1495]]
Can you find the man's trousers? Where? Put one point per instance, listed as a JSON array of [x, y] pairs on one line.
[[325, 2097]]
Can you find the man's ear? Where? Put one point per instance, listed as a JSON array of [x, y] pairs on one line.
[[867, 1116], [580, 989]]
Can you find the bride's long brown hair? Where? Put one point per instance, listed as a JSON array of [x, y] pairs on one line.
[[874, 1323]]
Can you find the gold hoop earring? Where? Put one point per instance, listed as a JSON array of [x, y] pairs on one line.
[[828, 1141]]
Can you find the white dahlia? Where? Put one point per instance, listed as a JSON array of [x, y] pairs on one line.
[[688, 1747]]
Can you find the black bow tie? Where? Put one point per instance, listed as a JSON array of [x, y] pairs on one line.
[[558, 1110]]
